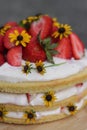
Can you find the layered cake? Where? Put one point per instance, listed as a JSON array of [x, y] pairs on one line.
[[43, 71]]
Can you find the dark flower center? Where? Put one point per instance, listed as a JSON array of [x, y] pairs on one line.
[[1, 113], [71, 108], [61, 30], [48, 97], [19, 38], [30, 115], [25, 68], [39, 68]]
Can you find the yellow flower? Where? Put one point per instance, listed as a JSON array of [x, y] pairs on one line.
[[55, 22], [27, 67], [49, 98], [40, 67], [32, 18], [20, 38], [72, 108], [3, 29], [63, 31], [2, 113], [30, 116]]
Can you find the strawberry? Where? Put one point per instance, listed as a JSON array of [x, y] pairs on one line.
[[2, 59], [7, 43], [64, 48], [14, 56], [28, 97], [79, 85], [1, 44], [77, 46], [43, 26], [33, 51], [12, 24]]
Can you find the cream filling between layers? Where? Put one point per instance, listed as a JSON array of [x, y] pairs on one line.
[[20, 115], [15, 74], [36, 99]]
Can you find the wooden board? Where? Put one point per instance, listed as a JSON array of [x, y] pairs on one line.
[[76, 122]]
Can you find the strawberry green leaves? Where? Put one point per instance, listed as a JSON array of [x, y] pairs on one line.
[[48, 47]]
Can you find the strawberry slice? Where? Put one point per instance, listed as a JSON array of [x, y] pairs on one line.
[[79, 85], [28, 97], [77, 46], [64, 48], [14, 56], [42, 26], [2, 59], [7, 43], [33, 51]]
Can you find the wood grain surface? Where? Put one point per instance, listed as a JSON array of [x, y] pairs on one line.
[[76, 122]]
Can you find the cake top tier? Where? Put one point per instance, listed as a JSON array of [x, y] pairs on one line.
[[39, 43]]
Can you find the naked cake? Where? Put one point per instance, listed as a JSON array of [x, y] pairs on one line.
[[43, 71]]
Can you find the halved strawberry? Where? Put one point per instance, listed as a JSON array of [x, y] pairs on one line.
[[2, 59], [77, 46], [7, 43], [43, 26], [33, 51], [14, 56], [64, 48]]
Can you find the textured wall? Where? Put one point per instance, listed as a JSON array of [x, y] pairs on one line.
[[73, 12]]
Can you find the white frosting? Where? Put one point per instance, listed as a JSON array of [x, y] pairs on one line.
[[36, 99], [57, 111], [15, 74]]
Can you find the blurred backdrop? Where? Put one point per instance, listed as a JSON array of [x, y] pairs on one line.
[[73, 12]]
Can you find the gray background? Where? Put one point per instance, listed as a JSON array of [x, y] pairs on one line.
[[73, 12]]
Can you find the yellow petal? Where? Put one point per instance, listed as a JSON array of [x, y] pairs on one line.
[[16, 32], [17, 43]]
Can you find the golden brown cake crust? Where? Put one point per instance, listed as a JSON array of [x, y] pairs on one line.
[[41, 120], [37, 87], [65, 102]]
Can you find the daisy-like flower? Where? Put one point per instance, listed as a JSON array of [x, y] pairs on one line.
[[27, 67], [72, 108], [33, 18], [20, 38], [49, 98], [2, 113], [40, 67], [63, 31], [26, 22], [3, 29], [55, 22], [30, 116]]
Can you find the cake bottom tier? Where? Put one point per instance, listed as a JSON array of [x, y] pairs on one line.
[[34, 117]]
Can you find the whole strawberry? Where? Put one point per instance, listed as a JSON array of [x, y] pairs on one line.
[[33, 51], [2, 48], [43, 26], [2, 59], [11, 24]]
